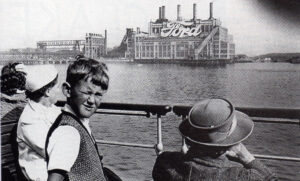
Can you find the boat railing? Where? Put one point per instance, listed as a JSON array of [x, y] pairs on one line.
[[258, 115]]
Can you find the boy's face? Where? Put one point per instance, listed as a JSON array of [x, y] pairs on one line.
[[54, 92], [85, 98]]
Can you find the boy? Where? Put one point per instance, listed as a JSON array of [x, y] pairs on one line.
[[72, 152], [36, 119]]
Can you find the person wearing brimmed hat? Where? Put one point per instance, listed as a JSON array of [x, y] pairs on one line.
[[41, 89], [213, 131]]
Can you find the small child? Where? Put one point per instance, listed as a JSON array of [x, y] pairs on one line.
[[42, 88]]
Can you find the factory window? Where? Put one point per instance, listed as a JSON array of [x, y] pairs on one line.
[[169, 50], [160, 51], [186, 49], [143, 51], [164, 51], [152, 51], [137, 51], [223, 45]]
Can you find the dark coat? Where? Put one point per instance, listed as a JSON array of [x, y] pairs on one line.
[[174, 166]]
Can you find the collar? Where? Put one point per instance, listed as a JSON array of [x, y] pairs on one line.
[[220, 162], [38, 106]]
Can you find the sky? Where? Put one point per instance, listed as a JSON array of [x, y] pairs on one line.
[[257, 26]]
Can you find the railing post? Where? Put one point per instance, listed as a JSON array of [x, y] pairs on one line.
[[184, 148], [159, 145]]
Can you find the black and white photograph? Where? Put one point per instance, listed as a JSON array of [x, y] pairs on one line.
[[140, 90]]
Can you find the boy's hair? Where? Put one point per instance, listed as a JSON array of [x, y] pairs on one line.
[[11, 79], [84, 68], [38, 94]]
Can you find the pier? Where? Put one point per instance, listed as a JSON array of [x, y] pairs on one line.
[[37, 58]]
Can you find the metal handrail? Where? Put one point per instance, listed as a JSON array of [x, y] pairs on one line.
[[263, 115]]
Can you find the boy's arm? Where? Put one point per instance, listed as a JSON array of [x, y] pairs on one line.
[[63, 149], [56, 175]]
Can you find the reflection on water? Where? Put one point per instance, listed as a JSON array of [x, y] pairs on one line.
[[249, 84]]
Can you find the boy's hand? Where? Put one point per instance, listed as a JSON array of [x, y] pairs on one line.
[[240, 152]]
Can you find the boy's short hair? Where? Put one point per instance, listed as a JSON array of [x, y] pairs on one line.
[[38, 94], [84, 68]]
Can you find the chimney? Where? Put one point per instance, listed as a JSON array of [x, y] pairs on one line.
[[137, 30], [163, 12], [211, 10], [194, 11], [178, 13], [159, 13], [105, 42]]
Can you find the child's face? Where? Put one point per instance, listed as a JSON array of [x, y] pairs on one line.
[[54, 92], [85, 98]]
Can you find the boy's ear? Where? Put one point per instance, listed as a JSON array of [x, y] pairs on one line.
[[66, 89], [47, 92]]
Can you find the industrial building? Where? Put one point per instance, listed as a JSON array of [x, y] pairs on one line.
[[94, 45], [182, 39]]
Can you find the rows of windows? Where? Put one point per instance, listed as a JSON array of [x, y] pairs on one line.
[[165, 50], [181, 50]]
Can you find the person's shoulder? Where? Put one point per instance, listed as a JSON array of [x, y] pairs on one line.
[[28, 115], [67, 132], [169, 154], [170, 157]]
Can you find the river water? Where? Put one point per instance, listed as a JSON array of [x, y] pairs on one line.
[[247, 84]]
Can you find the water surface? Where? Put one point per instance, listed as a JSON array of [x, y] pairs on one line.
[[248, 84]]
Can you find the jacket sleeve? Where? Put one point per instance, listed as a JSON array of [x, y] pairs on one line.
[[265, 172]]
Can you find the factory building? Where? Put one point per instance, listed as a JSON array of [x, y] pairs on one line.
[[182, 39], [94, 45]]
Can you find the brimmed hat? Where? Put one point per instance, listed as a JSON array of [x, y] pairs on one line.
[[38, 76], [214, 122]]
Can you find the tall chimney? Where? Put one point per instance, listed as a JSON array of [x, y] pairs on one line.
[[163, 12], [211, 10], [194, 11], [105, 42], [159, 13], [178, 13]]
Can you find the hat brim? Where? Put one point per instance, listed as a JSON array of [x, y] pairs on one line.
[[242, 131]]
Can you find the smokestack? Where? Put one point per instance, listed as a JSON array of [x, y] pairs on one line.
[[211, 10], [159, 13], [105, 42], [138, 30], [163, 12], [178, 13], [194, 11]]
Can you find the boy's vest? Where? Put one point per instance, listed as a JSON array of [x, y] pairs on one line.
[[88, 165]]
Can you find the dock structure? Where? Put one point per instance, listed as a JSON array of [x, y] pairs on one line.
[[37, 57], [181, 39], [58, 51], [93, 46], [55, 45]]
